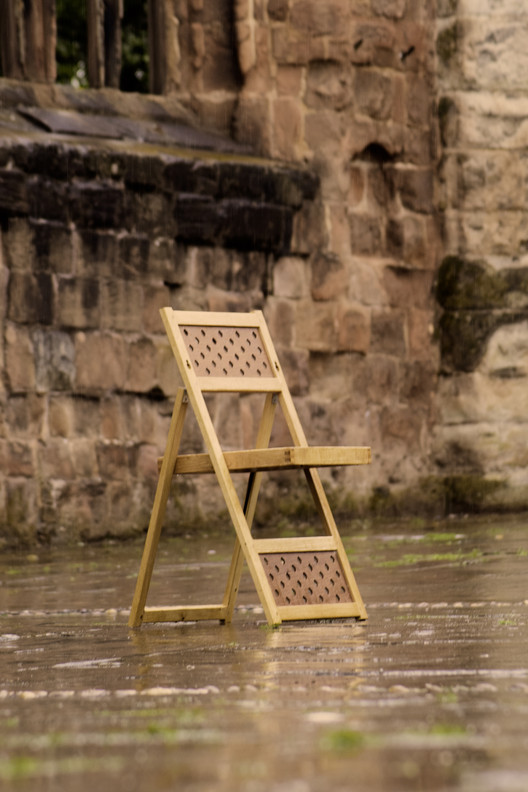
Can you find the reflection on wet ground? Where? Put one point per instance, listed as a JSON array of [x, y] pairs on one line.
[[431, 693]]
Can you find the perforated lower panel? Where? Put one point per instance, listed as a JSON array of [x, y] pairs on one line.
[[306, 578]]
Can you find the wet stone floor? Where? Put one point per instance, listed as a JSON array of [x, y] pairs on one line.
[[431, 693]]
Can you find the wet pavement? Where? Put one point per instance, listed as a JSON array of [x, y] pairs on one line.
[[431, 693]]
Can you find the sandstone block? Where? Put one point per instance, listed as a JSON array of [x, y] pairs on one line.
[[382, 376], [374, 94], [53, 246], [19, 358], [142, 366], [30, 298], [21, 511], [55, 460], [289, 80], [353, 329], [287, 127], [388, 332], [328, 85], [393, 9], [290, 278], [403, 427], [19, 250], [78, 303], [278, 10], [154, 298], [101, 361], [317, 19], [408, 239], [60, 416], [366, 234], [84, 458], [405, 287], [415, 187], [25, 415], [14, 197], [16, 458], [97, 254], [329, 276], [280, 318], [122, 305], [324, 128], [116, 461], [420, 329], [97, 205], [316, 326], [54, 360]]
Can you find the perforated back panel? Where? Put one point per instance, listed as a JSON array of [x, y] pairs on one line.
[[306, 578], [226, 351]]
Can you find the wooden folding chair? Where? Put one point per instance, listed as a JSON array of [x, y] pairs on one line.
[[296, 578]]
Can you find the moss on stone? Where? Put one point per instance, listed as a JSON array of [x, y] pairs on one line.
[[446, 43]]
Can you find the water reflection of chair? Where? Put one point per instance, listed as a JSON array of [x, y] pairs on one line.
[[295, 577]]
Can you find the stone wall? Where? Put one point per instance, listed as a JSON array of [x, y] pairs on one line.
[[348, 89], [482, 433], [94, 239]]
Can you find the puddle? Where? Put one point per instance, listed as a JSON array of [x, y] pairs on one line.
[[431, 693]]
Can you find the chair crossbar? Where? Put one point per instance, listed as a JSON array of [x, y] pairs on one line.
[[288, 458]]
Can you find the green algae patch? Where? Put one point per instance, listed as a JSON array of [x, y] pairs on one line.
[[343, 741]]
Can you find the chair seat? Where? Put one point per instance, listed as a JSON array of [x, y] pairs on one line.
[[285, 458]]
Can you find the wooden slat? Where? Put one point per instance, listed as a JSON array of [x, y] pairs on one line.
[[188, 613], [295, 544], [327, 610], [276, 458]]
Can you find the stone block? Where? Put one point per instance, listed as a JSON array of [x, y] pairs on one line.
[[16, 458], [86, 415], [21, 510], [392, 9], [290, 278], [329, 276], [408, 287], [382, 376], [168, 376], [49, 200], [78, 304], [280, 318], [97, 205], [84, 458], [308, 229], [19, 251], [55, 460], [290, 80], [353, 329], [14, 197], [408, 239], [122, 305], [147, 462], [53, 247], [324, 128], [116, 461], [374, 94], [101, 361], [416, 188], [316, 326], [317, 19], [420, 334], [373, 43], [154, 298], [19, 358], [388, 332], [133, 255], [25, 415], [166, 261], [328, 85], [418, 383], [287, 127], [30, 298], [98, 254], [402, 426], [366, 234], [295, 366], [142, 366], [60, 416], [278, 10], [54, 360]]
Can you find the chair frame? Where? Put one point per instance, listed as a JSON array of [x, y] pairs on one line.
[[195, 337]]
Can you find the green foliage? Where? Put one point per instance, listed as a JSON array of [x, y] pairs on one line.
[[72, 45]]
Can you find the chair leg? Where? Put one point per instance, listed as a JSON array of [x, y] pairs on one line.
[[158, 510]]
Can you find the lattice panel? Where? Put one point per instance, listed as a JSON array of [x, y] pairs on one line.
[[227, 351], [306, 578]]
